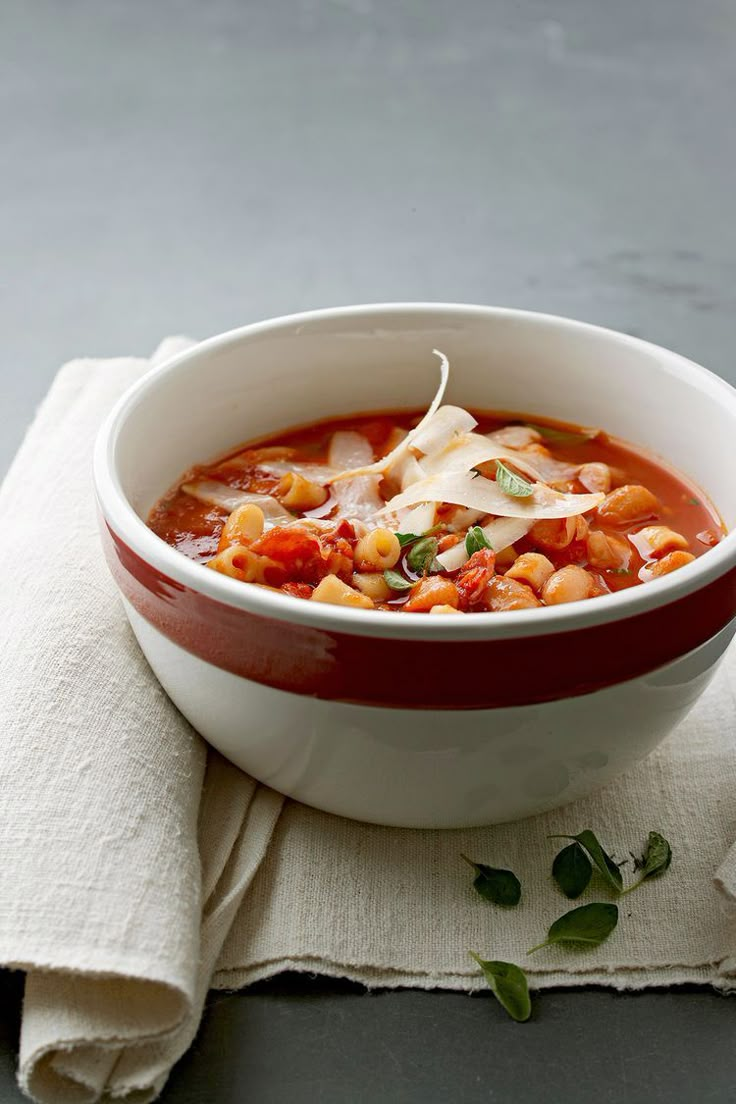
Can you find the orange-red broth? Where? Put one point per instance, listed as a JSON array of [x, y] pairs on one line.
[[194, 528]]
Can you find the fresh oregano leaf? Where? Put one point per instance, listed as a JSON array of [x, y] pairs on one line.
[[588, 924], [511, 483], [475, 540], [563, 436], [408, 538], [603, 862], [422, 556], [500, 887], [397, 581], [509, 986], [572, 870], [655, 861]]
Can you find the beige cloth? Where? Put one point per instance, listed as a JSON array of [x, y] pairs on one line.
[[127, 889]]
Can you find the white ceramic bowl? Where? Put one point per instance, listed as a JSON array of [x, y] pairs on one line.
[[407, 719]]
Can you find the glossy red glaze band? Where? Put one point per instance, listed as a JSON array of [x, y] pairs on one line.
[[415, 673]]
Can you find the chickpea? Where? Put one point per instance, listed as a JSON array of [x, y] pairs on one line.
[[445, 609], [655, 541], [504, 594], [668, 563], [595, 477], [632, 502], [299, 494], [531, 568], [569, 584], [433, 590], [607, 551], [553, 533]]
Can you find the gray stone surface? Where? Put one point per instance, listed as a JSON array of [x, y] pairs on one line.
[[190, 167]]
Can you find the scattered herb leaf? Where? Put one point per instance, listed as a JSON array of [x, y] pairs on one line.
[[422, 556], [509, 986], [655, 861], [694, 501], [408, 538], [572, 870], [396, 581], [511, 483], [500, 887], [622, 571], [475, 540], [589, 924], [602, 861], [563, 436]]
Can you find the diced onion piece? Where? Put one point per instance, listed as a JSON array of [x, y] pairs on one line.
[[229, 498], [448, 422], [478, 493], [380, 467], [358, 495], [500, 533]]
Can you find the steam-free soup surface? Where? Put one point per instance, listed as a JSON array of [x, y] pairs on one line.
[[512, 512]]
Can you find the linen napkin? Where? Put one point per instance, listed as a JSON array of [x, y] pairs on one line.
[[137, 868]]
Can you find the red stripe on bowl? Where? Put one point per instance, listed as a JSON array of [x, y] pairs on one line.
[[414, 673]]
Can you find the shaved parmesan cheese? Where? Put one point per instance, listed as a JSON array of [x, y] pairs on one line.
[[380, 467], [418, 520], [356, 496], [500, 533], [515, 436], [478, 493], [446, 423], [229, 498], [407, 471], [315, 473], [471, 449], [463, 453]]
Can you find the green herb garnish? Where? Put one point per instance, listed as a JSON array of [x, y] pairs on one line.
[[422, 556], [509, 986], [603, 862], [397, 581], [572, 870], [563, 436], [511, 483], [500, 887], [656, 859], [475, 540], [589, 924], [409, 538], [694, 501]]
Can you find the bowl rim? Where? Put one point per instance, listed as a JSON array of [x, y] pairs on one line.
[[121, 517]]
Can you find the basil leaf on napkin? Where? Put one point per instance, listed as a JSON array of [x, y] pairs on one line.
[[601, 860]]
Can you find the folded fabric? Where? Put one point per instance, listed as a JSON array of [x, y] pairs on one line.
[[137, 868]]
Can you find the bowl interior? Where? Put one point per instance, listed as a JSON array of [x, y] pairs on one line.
[[280, 374]]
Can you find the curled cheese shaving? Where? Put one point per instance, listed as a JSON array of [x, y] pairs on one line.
[[478, 493]]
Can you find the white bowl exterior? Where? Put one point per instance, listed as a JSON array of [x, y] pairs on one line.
[[427, 768], [420, 767], [273, 375]]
